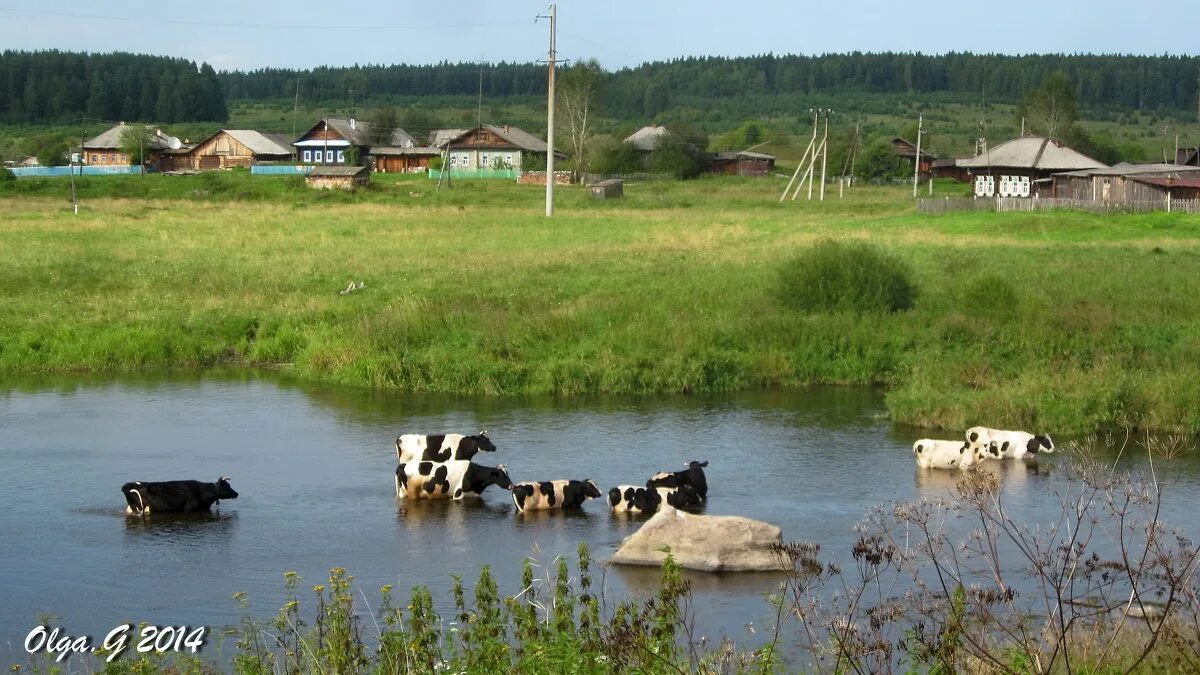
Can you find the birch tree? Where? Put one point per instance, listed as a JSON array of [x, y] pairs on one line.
[[578, 94]]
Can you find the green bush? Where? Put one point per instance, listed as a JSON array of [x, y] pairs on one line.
[[990, 295], [7, 177], [836, 276]]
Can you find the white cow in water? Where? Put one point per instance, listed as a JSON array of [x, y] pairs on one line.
[[933, 454], [999, 444], [441, 447]]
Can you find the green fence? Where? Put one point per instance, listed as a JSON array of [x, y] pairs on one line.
[[510, 174]]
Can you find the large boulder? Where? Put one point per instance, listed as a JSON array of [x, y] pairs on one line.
[[706, 543]]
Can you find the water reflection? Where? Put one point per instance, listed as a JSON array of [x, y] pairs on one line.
[[183, 527]]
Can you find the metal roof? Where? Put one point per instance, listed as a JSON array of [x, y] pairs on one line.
[[260, 143], [358, 132], [514, 135], [1169, 181], [647, 138], [439, 137], [1129, 169], [1032, 152], [111, 138]]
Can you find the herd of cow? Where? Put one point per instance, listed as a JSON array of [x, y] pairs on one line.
[[981, 444], [441, 466]]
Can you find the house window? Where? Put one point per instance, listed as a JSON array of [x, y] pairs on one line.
[[308, 156], [465, 160], [453, 161], [341, 157], [329, 157], [483, 161]]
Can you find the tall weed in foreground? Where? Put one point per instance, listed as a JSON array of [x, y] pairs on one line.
[[838, 276]]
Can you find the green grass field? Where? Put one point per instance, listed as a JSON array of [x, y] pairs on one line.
[[1063, 322]]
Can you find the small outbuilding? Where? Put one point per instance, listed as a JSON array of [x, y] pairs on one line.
[[608, 189], [339, 177]]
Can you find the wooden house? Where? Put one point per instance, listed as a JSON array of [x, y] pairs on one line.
[[1125, 183], [341, 141], [338, 177], [239, 147], [494, 147], [742, 163], [908, 151], [1032, 159], [105, 149]]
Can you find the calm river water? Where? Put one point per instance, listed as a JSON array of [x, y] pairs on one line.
[[315, 466]]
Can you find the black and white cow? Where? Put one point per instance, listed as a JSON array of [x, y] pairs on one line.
[[175, 496], [934, 454], [441, 447], [1000, 444], [649, 499], [455, 479], [553, 494], [692, 476]]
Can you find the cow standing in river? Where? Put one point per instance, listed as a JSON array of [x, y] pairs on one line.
[[175, 496], [441, 447]]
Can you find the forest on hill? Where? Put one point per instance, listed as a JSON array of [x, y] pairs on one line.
[[48, 86]]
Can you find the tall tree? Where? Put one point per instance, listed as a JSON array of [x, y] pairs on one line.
[[382, 123], [136, 140], [1051, 110], [579, 93]]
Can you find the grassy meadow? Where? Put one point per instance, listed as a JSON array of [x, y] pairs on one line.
[[1064, 322]]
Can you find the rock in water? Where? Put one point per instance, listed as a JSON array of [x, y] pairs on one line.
[[706, 543]]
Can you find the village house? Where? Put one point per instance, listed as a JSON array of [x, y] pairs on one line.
[[647, 139], [228, 148], [742, 163], [338, 177], [1130, 183], [341, 141], [105, 149], [404, 156], [907, 151], [1028, 162], [491, 147]]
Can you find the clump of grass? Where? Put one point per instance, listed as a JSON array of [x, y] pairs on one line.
[[990, 295], [837, 276]]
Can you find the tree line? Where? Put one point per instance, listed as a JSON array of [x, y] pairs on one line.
[[52, 86], [1138, 82]]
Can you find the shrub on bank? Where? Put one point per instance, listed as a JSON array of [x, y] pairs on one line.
[[837, 276]]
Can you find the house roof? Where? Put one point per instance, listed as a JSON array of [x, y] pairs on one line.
[[744, 154], [111, 138], [337, 171], [439, 137], [910, 147], [647, 138], [392, 150], [1129, 169], [358, 132], [514, 135], [260, 143], [1032, 152], [1191, 181]]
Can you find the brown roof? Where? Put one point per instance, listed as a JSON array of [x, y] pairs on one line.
[[1167, 181]]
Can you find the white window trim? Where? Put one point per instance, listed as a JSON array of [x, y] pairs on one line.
[[308, 156], [341, 157], [328, 156], [484, 159]]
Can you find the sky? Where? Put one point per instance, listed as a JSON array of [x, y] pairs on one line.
[[250, 34]]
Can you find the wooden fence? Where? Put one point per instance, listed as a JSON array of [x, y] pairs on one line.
[[1013, 204]]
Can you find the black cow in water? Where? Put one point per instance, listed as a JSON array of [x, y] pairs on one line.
[[649, 499], [175, 496], [553, 494], [692, 476], [441, 447], [441, 480]]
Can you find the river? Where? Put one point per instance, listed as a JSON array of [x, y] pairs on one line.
[[314, 467]]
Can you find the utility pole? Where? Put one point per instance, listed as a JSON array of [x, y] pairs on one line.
[[295, 107], [550, 115], [917, 161], [824, 154]]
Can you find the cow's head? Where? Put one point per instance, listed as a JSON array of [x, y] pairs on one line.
[[224, 490], [497, 476], [590, 489], [483, 442], [1040, 444]]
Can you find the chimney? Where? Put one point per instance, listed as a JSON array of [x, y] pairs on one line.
[[506, 128]]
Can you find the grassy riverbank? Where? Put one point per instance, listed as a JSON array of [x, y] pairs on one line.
[[1064, 321]]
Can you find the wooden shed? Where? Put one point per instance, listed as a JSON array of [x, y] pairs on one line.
[[339, 177], [391, 159], [1125, 183]]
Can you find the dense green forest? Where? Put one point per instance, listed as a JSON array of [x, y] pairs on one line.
[[1133, 82], [52, 86]]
